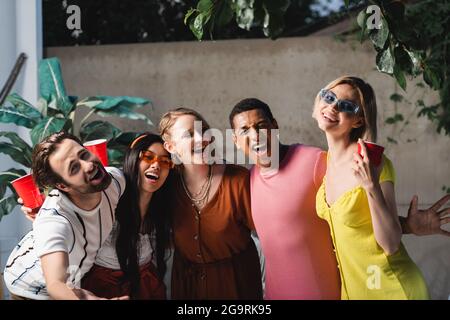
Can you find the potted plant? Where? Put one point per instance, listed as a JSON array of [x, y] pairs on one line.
[[55, 111]]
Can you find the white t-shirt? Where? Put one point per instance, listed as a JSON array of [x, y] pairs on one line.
[[62, 226], [107, 255]]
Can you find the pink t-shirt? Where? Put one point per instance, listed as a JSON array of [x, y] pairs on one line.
[[296, 243]]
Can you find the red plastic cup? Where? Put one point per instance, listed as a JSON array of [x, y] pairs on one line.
[[374, 151], [29, 192], [98, 147]]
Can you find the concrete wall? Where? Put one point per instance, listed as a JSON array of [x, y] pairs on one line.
[[212, 76]]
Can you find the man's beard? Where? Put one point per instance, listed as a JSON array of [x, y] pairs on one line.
[[103, 185], [96, 188]]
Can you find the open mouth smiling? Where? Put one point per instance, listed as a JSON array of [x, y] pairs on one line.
[[329, 118], [259, 148], [152, 176], [96, 174]]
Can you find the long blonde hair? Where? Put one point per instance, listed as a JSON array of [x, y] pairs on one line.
[[169, 118], [368, 103]]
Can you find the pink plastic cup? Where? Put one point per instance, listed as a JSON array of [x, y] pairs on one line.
[[98, 147], [374, 151], [29, 192]]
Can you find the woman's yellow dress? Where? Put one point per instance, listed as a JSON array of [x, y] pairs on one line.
[[366, 271]]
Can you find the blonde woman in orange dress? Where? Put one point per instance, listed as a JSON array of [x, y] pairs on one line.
[[215, 256]]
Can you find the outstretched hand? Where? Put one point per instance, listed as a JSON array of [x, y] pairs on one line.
[[428, 221]]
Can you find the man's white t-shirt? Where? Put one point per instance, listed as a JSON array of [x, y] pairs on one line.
[[62, 226]]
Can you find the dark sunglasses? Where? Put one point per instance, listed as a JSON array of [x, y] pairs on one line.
[[149, 157], [342, 105]]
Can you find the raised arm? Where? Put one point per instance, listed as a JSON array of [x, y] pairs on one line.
[[385, 221], [382, 204]]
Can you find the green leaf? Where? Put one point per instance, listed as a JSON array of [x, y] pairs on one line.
[[432, 77], [98, 130], [107, 102], [7, 176], [196, 26], [245, 18], [11, 174], [46, 127], [347, 2], [89, 102], [42, 106], [7, 205], [50, 79], [59, 106], [245, 13], [51, 85], [124, 112], [188, 15], [204, 5], [361, 19], [24, 106], [379, 36], [16, 153], [400, 76], [12, 115], [18, 142], [385, 61], [65, 106], [416, 61]]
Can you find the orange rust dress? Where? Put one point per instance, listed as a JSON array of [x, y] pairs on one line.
[[215, 257]]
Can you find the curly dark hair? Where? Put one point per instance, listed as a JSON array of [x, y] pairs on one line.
[[43, 174]]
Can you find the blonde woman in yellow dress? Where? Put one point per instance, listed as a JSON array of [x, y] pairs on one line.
[[357, 199]]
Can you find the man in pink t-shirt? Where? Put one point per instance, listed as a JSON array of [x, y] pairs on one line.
[[296, 243], [299, 256]]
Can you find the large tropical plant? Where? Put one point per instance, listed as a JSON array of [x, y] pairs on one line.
[[55, 111]]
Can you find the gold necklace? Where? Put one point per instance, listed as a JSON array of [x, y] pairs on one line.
[[199, 198]]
